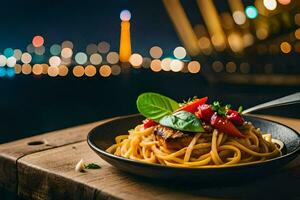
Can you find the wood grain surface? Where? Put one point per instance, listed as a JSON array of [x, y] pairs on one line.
[[46, 171]]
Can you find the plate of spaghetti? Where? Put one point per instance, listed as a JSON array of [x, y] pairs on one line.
[[193, 140]]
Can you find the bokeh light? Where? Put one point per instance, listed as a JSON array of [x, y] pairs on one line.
[[251, 12], [217, 66], [156, 52], [90, 70], [194, 67], [103, 47], [284, 2], [235, 42], [26, 68], [91, 48], [18, 69], [54, 61], [136, 60], [37, 41], [105, 70], [166, 64], [155, 65], [26, 58], [112, 57], [2, 60], [285, 47], [270, 4], [11, 61], [262, 33], [230, 67], [297, 34], [297, 19], [8, 52], [81, 58], [63, 70], [30, 48], [67, 44], [115, 70], [53, 71], [37, 69], [239, 17], [176, 65], [39, 50], [10, 72], [96, 59], [17, 54], [146, 62], [78, 71], [55, 49], [45, 68], [125, 15], [245, 67], [179, 52], [66, 52], [2, 72]]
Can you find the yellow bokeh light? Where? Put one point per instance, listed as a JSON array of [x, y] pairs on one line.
[[165, 64], [156, 52], [37, 69], [219, 42], [297, 34], [26, 68], [136, 60], [63, 70], [194, 67], [105, 70], [18, 68], [217, 66], [230, 67], [90, 70], [235, 42], [45, 68], [155, 65], [239, 17], [53, 71], [285, 47], [262, 33], [78, 71]]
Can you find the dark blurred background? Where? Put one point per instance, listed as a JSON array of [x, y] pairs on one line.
[[247, 57], [241, 75]]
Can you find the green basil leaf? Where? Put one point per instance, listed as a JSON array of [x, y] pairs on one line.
[[183, 121], [155, 106]]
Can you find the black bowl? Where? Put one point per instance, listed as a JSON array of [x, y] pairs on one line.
[[102, 137]]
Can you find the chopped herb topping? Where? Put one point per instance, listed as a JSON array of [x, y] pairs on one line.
[[92, 166]]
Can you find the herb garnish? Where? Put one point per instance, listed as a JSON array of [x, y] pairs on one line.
[[190, 100], [182, 120], [92, 166], [155, 106], [221, 110], [240, 109]]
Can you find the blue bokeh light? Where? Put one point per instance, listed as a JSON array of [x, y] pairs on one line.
[[10, 72], [251, 12], [8, 52], [2, 71]]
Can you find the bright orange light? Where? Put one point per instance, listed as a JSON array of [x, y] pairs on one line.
[[90, 70], [37, 69], [37, 41], [78, 71], [53, 71], [297, 34], [45, 68], [105, 70], [284, 2], [125, 42], [155, 65], [63, 70], [194, 67], [285, 47], [18, 68], [26, 68]]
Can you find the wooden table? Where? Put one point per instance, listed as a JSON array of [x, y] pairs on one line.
[[42, 167]]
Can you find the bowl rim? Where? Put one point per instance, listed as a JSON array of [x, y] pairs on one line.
[[159, 166]]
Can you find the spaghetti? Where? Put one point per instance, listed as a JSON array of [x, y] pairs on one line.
[[206, 149]]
